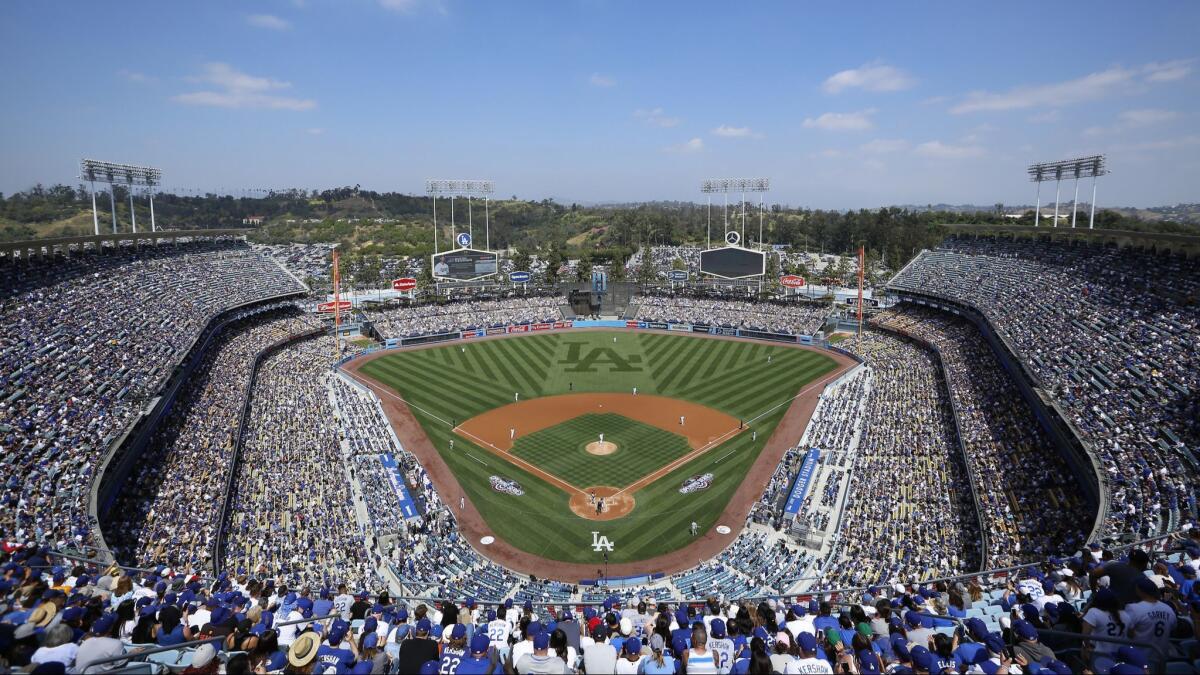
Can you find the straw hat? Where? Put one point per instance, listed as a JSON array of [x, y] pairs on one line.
[[44, 614], [304, 649]]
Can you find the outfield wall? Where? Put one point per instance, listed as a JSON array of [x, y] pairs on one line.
[[521, 328]]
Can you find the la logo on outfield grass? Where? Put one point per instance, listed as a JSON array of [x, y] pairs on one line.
[[600, 543]]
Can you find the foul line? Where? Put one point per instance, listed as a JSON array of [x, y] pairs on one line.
[[698, 452], [632, 487], [549, 477]]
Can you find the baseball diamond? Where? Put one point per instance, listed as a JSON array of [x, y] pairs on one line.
[[527, 408]]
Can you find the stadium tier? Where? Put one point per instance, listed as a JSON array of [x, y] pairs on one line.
[[996, 475]]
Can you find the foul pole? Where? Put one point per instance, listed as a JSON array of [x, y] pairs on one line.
[[337, 314], [861, 256]]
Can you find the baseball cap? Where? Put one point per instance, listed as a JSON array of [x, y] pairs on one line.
[[626, 626], [799, 610], [717, 628], [480, 643], [912, 618], [657, 643], [338, 630], [104, 624], [533, 628], [458, 632], [867, 663], [807, 641], [1131, 654], [491, 615], [921, 657], [633, 645], [541, 640], [1025, 630], [402, 614], [424, 626], [371, 640], [1147, 586]]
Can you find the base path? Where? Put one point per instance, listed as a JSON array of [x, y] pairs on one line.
[[709, 544], [701, 425]]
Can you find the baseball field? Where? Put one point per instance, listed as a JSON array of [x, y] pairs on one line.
[[660, 428]]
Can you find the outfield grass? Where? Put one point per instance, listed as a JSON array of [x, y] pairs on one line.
[[450, 384], [561, 450]]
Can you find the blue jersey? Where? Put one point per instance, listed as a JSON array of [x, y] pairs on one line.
[[472, 666], [342, 660]]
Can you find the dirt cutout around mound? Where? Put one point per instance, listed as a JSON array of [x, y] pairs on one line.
[[613, 503], [601, 448]]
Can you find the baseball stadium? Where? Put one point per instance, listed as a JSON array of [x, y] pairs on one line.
[[678, 427]]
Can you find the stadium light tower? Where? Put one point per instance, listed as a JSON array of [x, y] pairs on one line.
[[93, 170], [1081, 167], [462, 188], [742, 185]]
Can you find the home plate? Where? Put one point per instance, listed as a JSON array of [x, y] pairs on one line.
[[488, 540], [722, 529]]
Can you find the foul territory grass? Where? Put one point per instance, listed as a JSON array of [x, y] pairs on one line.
[[448, 385]]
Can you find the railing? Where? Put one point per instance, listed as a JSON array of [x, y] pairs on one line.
[[972, 479], [141, 653], [218, 550]]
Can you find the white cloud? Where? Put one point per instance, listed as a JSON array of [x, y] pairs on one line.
[[851, 121], [736, 132], [599, 80], [1169, 71], [268, 21], [693, 145], [940, 150], [874, 76], [1087, 88], [881, 146], [1133, 119], [1146, 117], [1165, 144], [235, 89], [656, 117], [874, 164], [135, 77]]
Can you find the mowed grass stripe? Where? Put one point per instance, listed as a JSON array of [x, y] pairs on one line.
[[464, 388], [529, 360], [708, 357], [650, 343], [716, 382], [683, 361], [546, 344], [506, 376], [482, 365], [756, 398], [718, 362], [668, 358], [521, 364]]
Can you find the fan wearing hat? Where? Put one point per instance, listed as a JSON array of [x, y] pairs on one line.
[[302, 653], [204, 661], [455, 648], [418, 649], [100, 643], [540, 660], [336, 652], [481, 659]]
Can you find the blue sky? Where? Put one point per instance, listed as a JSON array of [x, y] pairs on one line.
[[593, 100]]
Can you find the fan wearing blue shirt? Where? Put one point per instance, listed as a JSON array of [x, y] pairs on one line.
[[332, 653]]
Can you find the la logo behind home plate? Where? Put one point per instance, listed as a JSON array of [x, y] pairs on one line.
[[600, 543]]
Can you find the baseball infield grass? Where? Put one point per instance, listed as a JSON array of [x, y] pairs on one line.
[[561, 450], [445, 386]]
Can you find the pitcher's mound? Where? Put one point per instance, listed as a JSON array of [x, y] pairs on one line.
[[602, 447], [614, 507]]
